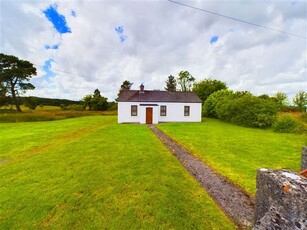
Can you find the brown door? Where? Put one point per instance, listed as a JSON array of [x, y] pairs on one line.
[[148, 115]]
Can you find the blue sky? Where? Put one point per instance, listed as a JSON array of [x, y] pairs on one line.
[[214, 39], [58, 21], [79, 46], [120, 32]]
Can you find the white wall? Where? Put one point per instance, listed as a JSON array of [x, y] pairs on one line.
[[174, 112]]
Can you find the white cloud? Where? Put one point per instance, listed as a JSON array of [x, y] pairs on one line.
[[163, 38]]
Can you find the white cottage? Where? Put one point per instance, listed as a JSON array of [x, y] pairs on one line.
[[153, 106]]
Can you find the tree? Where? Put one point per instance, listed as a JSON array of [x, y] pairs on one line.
[[281, 100], [3, 98], [209, 107], [126, 85], [246, 110], [98, 102], [300, 100], [87, 102], [15, 75], [185, 80], [171, 84], [30, 102], [208, 86], [95, 102]]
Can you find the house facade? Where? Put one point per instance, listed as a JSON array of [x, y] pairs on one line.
[[152, 106]]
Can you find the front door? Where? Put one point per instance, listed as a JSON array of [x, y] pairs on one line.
[[148, 115]]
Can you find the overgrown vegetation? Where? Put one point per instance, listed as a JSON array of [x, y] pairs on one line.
[[90, 172], [241, 108], [288, 124]]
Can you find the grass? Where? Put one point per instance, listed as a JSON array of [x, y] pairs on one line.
[[237, 152], [44, 113], [90, 172]]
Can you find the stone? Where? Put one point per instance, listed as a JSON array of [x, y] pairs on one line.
[[281, 200]]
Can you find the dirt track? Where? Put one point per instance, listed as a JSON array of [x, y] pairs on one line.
[[238, 206]]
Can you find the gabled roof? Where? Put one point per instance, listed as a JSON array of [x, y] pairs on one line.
[[157, 96]]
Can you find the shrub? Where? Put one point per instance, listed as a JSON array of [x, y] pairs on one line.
[[303, 117], [209, 107], [287, 124], [247, 110]]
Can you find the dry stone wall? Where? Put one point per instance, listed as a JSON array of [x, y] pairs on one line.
[[281, 200]]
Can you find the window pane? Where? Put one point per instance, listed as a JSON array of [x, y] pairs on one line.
[[162, 110], [186, 110], [134, 110]]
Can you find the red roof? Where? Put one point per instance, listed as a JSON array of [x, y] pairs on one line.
[[157, 96]]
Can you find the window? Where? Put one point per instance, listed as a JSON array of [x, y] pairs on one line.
[[163, 110], [187, 111], [134, 110]]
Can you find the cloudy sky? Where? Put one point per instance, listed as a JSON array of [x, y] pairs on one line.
[[78, 46]]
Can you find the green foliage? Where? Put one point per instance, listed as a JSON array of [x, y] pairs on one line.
[[74, 107], [208, 86], [112, 106], [4, 100], [244, 109], [30, 102], [55, 101], [303, 117], [253, 111], [300, 100], [15, 75], [95, 102], [237, 152], [209, 107], [171, 84], [281, 100], [185, 80], [285, 124], [126, 85]]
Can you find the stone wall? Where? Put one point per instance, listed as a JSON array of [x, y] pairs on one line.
[[304, 158], [281, 200]]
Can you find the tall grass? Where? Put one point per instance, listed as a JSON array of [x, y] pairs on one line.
[[46, 113]]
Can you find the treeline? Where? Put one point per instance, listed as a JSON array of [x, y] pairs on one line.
[[242, 107], [51, 101]]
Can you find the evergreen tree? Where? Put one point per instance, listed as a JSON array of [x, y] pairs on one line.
[[15, 75], [171, 84]]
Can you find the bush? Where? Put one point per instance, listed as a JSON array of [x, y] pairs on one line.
[[247, 110], [74, 107], [303, 117], [287, 124], [209, 107]]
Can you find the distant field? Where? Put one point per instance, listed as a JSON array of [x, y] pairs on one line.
[[44, 113], [237, 152], [90, 172]]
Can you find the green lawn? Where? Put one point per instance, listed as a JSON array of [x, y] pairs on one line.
[[237, 152], [90, 172]]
